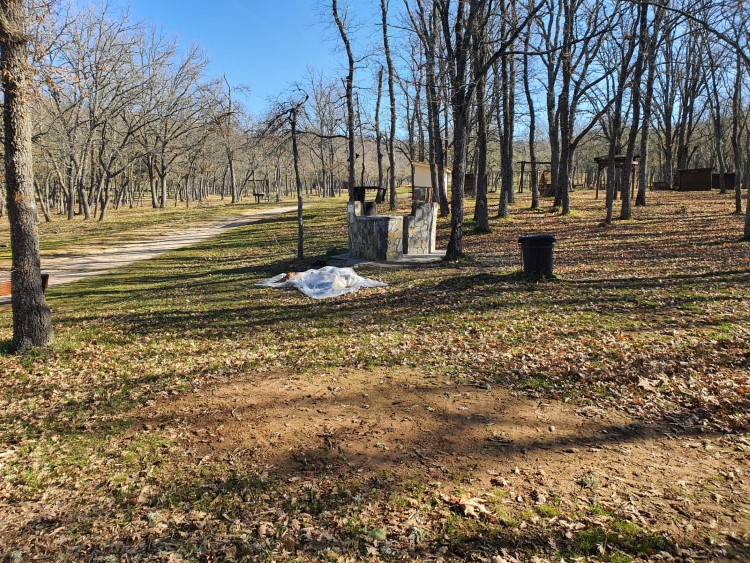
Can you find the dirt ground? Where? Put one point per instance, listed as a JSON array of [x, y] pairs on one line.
[[670, 477], [463, 413]]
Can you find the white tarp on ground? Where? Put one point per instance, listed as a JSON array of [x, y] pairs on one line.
[[325, 282]]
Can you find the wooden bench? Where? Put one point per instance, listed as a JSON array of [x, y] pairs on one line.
[[261, 195], [6, 289]]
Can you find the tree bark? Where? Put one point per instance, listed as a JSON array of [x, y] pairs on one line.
[[32, 321], [532, 124], [481, 213], [563, 178], [626, 210], [648, 96], [349, 97], [378, 134], [737, 152], [392, 101], [298, 181]]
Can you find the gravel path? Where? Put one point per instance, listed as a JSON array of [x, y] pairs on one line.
[[73, 268]]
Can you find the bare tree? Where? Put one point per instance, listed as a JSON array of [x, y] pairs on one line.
[[425, 21], [620, 55], [175, 104], [392, 106], [653, 39], [322, 120], [534, 183], [481, 211], [737, 114], [341, 26], [505, 80], [32, 321], [458, 24], [289, 113], [226, 115], [635, 89]]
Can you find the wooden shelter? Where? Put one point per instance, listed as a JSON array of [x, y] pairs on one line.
[[693, 179], [422, 188], [602, 163], [729, 179], [544, 176]]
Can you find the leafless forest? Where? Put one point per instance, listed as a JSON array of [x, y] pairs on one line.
[[125, 116]]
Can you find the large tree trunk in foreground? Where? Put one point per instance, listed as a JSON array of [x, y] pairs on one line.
[[455, 248], [32, 322], [746, 231]]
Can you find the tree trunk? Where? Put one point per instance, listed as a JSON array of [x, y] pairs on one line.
[[163, 187], [83, 202], [626, 210], [498, 93], [507, 86], [566, 119], [232, 179], [295, 156], [349, 98], [70, 193], [433, 108], [736, 116], [32, 321], [362, 143], [746, 232], [105, 197], [392, 101], [532, 125], [378, 135], [648, 97], [481, 213], [43, 202], [455, 248]]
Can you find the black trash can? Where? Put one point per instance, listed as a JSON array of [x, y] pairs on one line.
[[537, 254]]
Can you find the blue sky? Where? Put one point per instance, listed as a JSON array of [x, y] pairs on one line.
[[264, 44]]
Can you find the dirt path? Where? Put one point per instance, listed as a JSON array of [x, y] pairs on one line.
[[547, 462], [68, 269]]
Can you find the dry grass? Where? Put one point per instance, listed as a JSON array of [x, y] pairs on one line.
[[463, 412]]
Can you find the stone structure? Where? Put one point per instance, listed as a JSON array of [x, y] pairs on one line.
[[389, 237], [420, 229]]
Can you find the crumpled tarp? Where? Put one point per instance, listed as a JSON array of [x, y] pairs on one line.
[[323, 283]]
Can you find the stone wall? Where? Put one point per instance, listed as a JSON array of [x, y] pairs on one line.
[[374, 237], [420, 229], [389, 237]]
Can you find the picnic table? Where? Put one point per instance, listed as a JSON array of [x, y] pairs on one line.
[[359, 193]]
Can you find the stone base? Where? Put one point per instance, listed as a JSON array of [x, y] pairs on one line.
[[346, 260], [389, 237], [376, 237], [420, 229]]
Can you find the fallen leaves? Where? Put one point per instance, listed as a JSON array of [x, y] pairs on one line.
[[643, 336], [470, 507]]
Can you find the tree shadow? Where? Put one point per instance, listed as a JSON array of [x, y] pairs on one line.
[[323, 476]]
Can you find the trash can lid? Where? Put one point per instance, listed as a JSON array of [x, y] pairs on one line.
[[540, 239]]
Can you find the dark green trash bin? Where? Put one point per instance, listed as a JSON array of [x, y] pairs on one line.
[[537, 254]]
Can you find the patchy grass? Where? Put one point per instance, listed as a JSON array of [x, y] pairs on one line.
[[111, 445]]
